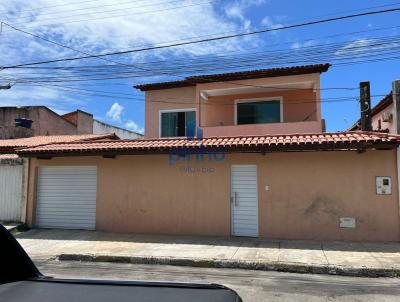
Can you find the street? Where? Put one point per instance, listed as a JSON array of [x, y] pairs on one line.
[[251, 285]]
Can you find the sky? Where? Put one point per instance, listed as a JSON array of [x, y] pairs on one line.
[[103, 26]]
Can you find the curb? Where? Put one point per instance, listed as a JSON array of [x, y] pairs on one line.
[[248, 265]]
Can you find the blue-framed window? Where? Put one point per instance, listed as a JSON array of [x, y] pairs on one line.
[[178, 124], [258, 112]]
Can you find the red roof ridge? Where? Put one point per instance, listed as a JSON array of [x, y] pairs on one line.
[[353, 140], [42, 140], [236, 75]]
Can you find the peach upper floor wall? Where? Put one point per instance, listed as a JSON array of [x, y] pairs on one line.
[[299, 94], [165, 99], [299, 114], [308, 193]]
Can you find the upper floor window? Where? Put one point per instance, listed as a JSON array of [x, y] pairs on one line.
[[260, 111], [175, 123]]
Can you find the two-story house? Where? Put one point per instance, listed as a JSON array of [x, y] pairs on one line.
[[235, 154], [258, 102]]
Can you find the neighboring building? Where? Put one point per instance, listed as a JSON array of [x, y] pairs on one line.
[[84, 121], [383, 116], [43, 121], [258, 102], [265, 168], [100, 127], [14, 170]]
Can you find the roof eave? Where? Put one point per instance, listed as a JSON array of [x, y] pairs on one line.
[[236, 76], [306, 147]]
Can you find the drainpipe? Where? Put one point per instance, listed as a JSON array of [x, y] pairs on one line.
[[396, 104], [24, 193]]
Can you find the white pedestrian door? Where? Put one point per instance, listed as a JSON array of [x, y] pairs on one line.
[[66, 197], [244, 200]]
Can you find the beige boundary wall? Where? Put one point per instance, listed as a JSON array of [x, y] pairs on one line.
[[308, 193]]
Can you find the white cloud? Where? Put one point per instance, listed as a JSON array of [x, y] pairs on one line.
[[131, 125], [361, 46], [20, 95], [115, 112], [354, 48], [269, 22], [131, 26], [237, 10], [298, 45]]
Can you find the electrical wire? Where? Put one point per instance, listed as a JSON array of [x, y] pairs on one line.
[[57, 5], [58, 44], [121, 15], [94, 7], [305, 24], [317, 48], [105, 94]]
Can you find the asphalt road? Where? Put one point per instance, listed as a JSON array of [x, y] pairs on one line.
[[251, 285]]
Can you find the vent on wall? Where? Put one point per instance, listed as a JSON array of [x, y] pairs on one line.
[[387, 117]]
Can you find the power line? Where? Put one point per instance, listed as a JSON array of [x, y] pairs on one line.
[[122, 15], [318, 47], [219, 55], [377, 45], [59, 44], [310, 23], [179, 100], [106, 94], [110, 11], [87, 8], [136, 66], [211, 61], [221, 33]]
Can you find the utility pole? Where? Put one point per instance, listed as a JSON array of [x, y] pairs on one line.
[[396, 103], [365, 106]]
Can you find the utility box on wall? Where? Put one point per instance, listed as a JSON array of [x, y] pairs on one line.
[[383, 185], [347, 222]]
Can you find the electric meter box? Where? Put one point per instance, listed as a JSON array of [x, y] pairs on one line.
[[383, 185]]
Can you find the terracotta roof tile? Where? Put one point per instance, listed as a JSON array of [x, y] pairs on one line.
[[8, 156], [268, 143], [234, 76], [11, 144]]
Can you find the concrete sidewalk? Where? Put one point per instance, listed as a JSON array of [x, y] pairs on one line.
[[342, 258]]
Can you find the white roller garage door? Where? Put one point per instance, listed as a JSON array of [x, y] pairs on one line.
[[66, 197]]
